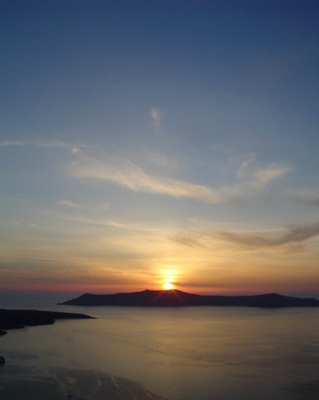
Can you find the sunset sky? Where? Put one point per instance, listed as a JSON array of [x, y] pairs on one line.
[[144, 142]]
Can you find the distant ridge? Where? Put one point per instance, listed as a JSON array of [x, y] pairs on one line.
[[177, 298]]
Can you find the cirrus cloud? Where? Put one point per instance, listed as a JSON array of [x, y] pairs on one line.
[[291, 239], [295, 235], [125, 173], [129, 175], [264, 176]]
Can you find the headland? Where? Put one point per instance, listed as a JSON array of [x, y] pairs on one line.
[[15, 319]]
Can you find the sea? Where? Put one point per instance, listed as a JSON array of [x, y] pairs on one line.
[[191, 353]]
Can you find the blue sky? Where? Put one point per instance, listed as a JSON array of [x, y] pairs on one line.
[[152, 141]]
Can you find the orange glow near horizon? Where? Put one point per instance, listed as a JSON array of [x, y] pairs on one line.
[[103, 289], [169, 274], [168, 286]]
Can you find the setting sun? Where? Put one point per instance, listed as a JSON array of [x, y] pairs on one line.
[[168, 286]]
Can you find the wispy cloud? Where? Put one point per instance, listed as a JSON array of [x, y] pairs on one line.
[[66, 203], [260, 177], [129, 175], [190, 240], [59, 144], [293, 238], [7, 143], [156, 115], [296, 235], [44, 144], [263, 176], [245, 164], [306, 197]]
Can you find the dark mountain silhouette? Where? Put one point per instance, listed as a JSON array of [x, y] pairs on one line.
[[177, 298]]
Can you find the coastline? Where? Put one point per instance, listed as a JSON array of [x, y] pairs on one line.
[[57, 383], [187, 353], [69, 383], [19, 319]]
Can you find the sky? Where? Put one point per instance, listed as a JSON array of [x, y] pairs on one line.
[[152, 142]]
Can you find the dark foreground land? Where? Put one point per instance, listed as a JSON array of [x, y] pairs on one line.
[[15, 319], [69, 384], [177, 298]]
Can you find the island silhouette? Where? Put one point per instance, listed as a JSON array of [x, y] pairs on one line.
[[178, 298]]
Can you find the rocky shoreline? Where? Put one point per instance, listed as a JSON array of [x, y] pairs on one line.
[[18, 319]]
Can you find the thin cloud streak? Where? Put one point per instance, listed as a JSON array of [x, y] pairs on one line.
[[191, 240], [306, 197], [67, 203], [292, 239], [43, 144], [7, 143], [261, 177], [296, 235], [58, 144], [112, 223], [129, 175]]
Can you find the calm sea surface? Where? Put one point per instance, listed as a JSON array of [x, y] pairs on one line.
[[183, 353]]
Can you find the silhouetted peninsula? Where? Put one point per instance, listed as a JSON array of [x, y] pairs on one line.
[[177, 298], [15, 319]]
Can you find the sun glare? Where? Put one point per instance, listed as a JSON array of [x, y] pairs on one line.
[[168, 286]]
